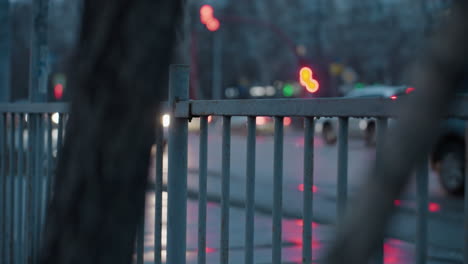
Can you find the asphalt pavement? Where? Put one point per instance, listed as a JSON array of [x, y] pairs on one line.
[[445, 222]]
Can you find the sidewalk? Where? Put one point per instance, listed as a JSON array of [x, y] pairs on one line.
[[396, 251]]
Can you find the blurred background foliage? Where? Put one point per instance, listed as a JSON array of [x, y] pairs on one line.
[[265, 42]]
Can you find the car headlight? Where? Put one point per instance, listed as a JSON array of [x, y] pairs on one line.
[[318, 128], [55, 118], [363, 124], [166, 120]]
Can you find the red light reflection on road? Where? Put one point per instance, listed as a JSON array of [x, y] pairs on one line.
[[300, 187], [210, 250], [434, 207], [300, 222], [394, 252], [298, 243]]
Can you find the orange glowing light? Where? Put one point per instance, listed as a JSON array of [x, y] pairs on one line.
[[206, 11], [287, 121], [208, 19], [307, 80], [210, 118], [213, 24]]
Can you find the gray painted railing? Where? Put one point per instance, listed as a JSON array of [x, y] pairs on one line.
[[31, 136], [381, 109]]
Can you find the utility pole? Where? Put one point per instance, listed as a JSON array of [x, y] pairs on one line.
[[39, 52], [5, 89]]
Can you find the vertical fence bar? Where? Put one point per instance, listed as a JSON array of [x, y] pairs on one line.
[[225, 189], [11, 191], [50, 164], [16, 179], [277, 190], [382, 124], [465, 246], [423, 202], [342, 186], [37, 184], [29, 221], [250, 192], [60, 134], [177, 169], [20, 223], [158, 190], [3, 213], [202, 182], [308, 185]]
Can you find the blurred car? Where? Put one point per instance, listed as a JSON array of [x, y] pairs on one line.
[[447, 157], [359, 127]]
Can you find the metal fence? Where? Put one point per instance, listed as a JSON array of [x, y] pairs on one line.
[[184, 109], [31, 136]]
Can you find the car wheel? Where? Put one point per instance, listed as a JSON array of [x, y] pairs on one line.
[[451, 172], [369, 134], [328, 134]]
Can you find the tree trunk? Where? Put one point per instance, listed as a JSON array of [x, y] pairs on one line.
[[117, 78]]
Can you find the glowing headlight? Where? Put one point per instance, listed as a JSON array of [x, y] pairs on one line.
[[55, 118], [166, 120], [318, 128], [362, 124]]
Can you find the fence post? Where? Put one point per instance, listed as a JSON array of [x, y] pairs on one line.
[[465, 245], [177, 168], [342, 185]]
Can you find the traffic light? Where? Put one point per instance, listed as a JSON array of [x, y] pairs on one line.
[[307, 80], [58, 91], [207, 18], [59, 81]]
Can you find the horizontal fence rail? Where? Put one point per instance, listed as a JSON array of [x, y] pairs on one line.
[[316, 107]]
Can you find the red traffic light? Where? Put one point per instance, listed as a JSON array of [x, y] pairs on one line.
[[207, 18], [306, 79], [58, 91]]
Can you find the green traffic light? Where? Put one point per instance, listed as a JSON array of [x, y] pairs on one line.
[[288, 90]]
